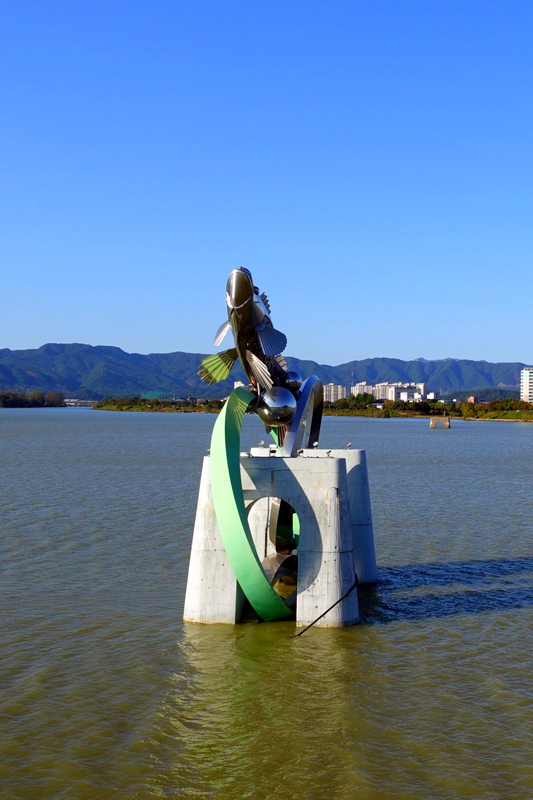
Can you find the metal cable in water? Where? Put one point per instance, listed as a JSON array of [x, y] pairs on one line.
[[336, 603]]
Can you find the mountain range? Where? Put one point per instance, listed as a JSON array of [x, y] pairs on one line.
[[91, 372]]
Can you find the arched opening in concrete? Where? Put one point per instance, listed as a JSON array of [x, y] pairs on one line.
[[275, 529], [444, 421]]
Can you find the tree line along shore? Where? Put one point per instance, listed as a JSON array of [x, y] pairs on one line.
[[363, 405], [34, 399], [142, 404]]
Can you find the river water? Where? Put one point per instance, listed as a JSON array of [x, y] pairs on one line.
[[106, 693]]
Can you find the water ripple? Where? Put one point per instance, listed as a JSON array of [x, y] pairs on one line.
[[105, 693]]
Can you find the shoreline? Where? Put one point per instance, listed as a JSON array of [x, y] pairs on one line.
[[392, 415], [331, 413]]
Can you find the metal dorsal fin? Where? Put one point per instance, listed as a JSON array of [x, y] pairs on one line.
[[264, 298]]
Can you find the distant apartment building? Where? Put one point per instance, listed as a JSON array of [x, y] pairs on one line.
[[526, 385], [406, 391], [333, 392], [409, 395], [409, 392], [394, 391], [361, 388], [379, 391]]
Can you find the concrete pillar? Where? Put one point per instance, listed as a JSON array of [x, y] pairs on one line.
[[435, 421], [262, 519], [213, 594], [329, 492], [317, 489], [360, 514]]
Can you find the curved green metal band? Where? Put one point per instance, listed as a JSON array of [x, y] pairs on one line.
[[230, 510]]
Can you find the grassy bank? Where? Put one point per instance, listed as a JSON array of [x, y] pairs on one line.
[[509, 409], [504, 409], [502, 416], [139, 404]]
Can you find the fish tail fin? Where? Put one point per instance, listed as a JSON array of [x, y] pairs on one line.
[[279, 433], [217, 367]]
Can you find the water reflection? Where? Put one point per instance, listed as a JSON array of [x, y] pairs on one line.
[[262, 710]]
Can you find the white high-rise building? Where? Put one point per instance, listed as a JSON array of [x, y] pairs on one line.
[[361, 388], [333, 392], [393, 391], [526, 384], [380, 391]]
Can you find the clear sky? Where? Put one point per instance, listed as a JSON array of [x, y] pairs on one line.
[[370, 162]]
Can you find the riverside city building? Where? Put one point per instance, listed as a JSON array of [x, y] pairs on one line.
[[526, 384], [333, 392], [395, 391]]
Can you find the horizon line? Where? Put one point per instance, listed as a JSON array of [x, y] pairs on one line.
[[420, 359]]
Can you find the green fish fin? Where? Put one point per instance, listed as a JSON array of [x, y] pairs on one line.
[[217, 367]]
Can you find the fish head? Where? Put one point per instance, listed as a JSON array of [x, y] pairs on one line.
[[240, 292]]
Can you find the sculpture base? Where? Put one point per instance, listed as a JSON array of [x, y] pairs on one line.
[[328, 491]]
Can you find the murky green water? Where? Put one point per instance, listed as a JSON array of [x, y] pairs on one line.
[[105, 693]]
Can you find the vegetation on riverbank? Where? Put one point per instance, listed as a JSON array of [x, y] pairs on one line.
[[140, 404], [360, 406], [35, 399], [364, 406]]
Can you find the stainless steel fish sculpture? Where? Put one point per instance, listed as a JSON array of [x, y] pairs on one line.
[[257, 342], [284, 400], [258, 346]]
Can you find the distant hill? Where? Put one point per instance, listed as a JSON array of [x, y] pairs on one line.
[[87, 372]]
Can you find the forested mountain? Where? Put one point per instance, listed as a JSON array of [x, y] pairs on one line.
[[83, 371]]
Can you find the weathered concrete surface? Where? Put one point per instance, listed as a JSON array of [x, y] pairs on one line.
[[444, 421], [213, 594], [359, 504], [329, 492], [364, 554], [317, 489]]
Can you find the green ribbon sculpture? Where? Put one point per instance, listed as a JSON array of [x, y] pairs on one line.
[[231, 512]]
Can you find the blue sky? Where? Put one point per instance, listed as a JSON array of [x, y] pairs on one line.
[[370, 162]]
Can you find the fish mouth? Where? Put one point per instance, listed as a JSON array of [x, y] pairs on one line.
[[239, 289]]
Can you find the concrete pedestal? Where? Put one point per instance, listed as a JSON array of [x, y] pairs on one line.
[[329, 492]]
